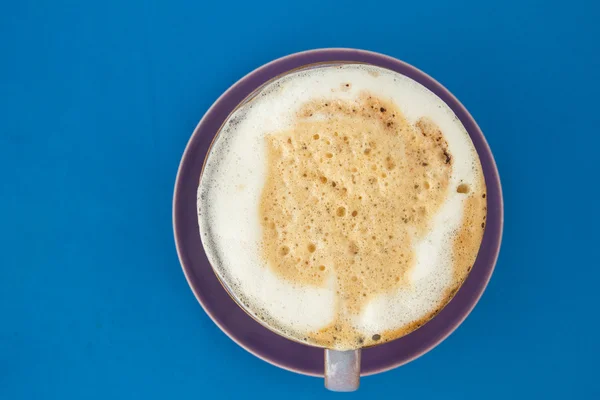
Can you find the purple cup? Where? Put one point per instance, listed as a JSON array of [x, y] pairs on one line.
[[253, 336]]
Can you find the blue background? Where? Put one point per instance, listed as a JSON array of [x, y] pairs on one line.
[[97, 102]]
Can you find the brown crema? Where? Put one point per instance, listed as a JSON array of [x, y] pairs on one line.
[[349, 191]]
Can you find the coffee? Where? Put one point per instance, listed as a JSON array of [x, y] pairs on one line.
[[343, 205]]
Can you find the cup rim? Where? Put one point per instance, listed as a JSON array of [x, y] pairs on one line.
[[285, 65]]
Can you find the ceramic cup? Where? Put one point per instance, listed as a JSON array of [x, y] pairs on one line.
[[341, 369]]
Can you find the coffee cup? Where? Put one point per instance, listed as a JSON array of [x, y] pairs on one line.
[[342, 358]]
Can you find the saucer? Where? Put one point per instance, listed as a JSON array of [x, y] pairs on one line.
[[251, 335]]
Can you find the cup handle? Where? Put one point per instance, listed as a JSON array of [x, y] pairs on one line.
[[342, 370]]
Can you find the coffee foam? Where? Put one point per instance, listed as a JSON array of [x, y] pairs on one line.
[[234, 176]]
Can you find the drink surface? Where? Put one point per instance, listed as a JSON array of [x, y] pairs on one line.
[[343, 205]]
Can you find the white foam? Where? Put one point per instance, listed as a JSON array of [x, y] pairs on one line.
[[234, 175]]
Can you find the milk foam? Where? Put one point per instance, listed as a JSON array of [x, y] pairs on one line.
[[234, 175]]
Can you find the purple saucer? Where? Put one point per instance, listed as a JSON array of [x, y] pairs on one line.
[[248, 333]]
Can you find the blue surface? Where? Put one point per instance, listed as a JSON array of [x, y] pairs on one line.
[[97, 102]]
